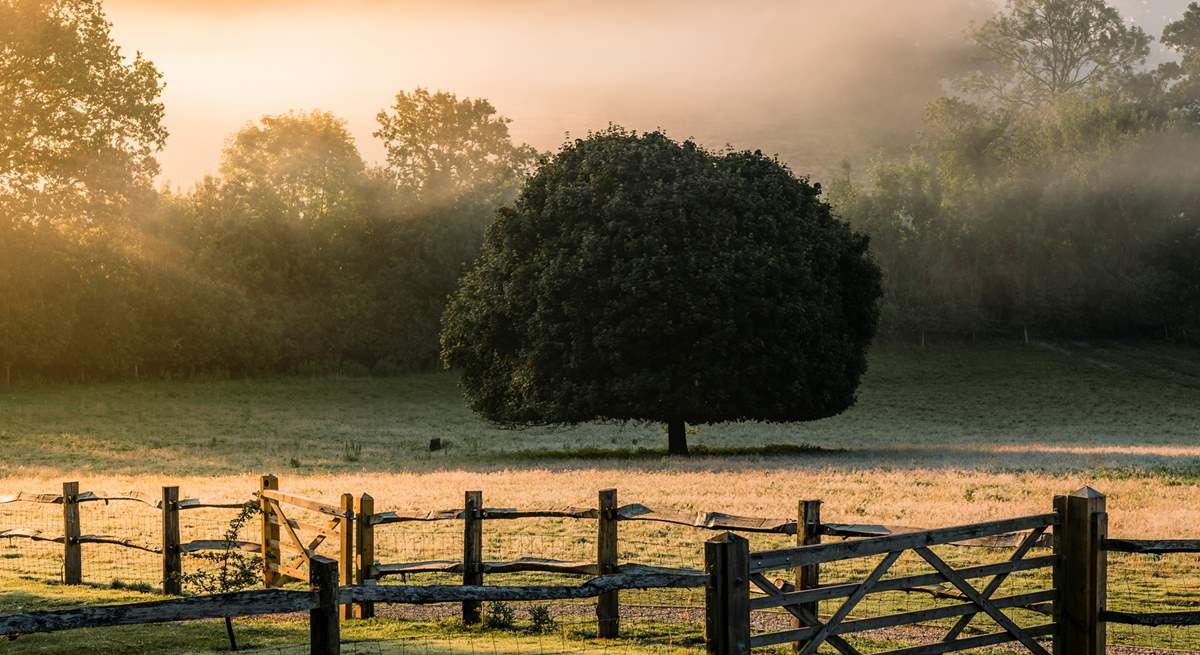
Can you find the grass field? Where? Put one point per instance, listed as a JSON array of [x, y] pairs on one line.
[[943, 435]]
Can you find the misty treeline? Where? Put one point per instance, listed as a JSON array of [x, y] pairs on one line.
[[296, 256], [1055, 190], [1054, 193]]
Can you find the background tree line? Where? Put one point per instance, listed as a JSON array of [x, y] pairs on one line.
[[1057, 191]]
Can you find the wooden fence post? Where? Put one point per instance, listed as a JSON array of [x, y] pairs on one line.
[[346, 556], [608, 608], [270, 534], [363, 512], [472, 552], [72, 554], [808, 533], [727, 595], [172, 559], [1080, 574], [324, 630]]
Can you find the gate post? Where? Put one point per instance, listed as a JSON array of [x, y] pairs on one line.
[[608, 610], [324, 630], [346, 548], [172, 559], [808, 533], [365, 545], [472, 552], [72, 553], [1080, 573], [727, 595], [270, 533]]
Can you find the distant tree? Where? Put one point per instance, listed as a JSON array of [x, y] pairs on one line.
[[79, 123], [441, 148], [1039, 50], [1183, 36], [637, 278]]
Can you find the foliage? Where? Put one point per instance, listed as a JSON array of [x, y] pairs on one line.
[[641, 279], [541, 621], [79, 124], [229, 568], [1039, 50], [499, 616]]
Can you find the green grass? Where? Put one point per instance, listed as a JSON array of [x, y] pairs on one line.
[[920, 401], [984, 426]]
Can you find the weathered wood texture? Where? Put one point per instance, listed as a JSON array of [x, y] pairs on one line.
[[727, 595], [808, 533], [707, 520], [992, 639], [270, 533], [472, 566], [634, 578], [198, 545], [302, 501], [324, 627], [1152, 546], [38, 535], [520, 565], [1151, 618], [241, 603], [172, 557], [346, 554], [72, 553], [793, 557], [364, 558], [1081, 578], [608, 610]]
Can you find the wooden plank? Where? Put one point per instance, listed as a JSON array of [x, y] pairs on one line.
[[322, 530], [707, 520], [199, 545], [241, 603], [567, 512], [1151, 618], [296, 543], [472, 552], [842, 612], [994, 584], [519, 565], [346, 550], [984, 604], [301, 501], [270, 532], [1152, 546], [196, 503], [382, 518], [793, 557], [364, 559], [283, 570], [428, 594], [806, 617], [902, 618], [72, 553], [992, 639], [172, 558], [808, 533], [324, 628], [727, 595], [608, 609], [908, 583]]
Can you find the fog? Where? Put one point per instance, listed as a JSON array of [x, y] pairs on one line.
[[811, 81]]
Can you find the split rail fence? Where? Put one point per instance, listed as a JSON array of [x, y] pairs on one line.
[[1072, 606]]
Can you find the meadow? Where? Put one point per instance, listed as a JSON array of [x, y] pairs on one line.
[[947, 434]]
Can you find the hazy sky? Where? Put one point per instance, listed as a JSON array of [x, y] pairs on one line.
[[808, 79]]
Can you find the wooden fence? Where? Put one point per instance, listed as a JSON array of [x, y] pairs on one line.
[[1074, 603]]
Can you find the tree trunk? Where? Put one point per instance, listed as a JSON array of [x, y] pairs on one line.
[[229, 631], [677, 438]]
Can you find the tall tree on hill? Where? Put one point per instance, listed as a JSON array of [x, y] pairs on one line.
[[1039, 50], [641, 279], [1183, 77]]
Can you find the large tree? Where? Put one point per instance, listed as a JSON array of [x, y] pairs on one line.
[[440, 148], [637, 278], [1040, 50], [79, 122], [1183, 76]]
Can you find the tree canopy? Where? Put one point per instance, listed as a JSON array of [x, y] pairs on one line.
[[637, 278]]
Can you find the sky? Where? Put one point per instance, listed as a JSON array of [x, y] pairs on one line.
[[810, 80]]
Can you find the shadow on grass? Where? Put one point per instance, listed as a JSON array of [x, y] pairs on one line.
[[769, 450]]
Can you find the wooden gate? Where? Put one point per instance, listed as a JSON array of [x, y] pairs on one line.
[[302, 538], [733, 570]]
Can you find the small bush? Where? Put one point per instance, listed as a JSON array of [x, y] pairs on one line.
[[351, 450], [500, 616], [541, 621]]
